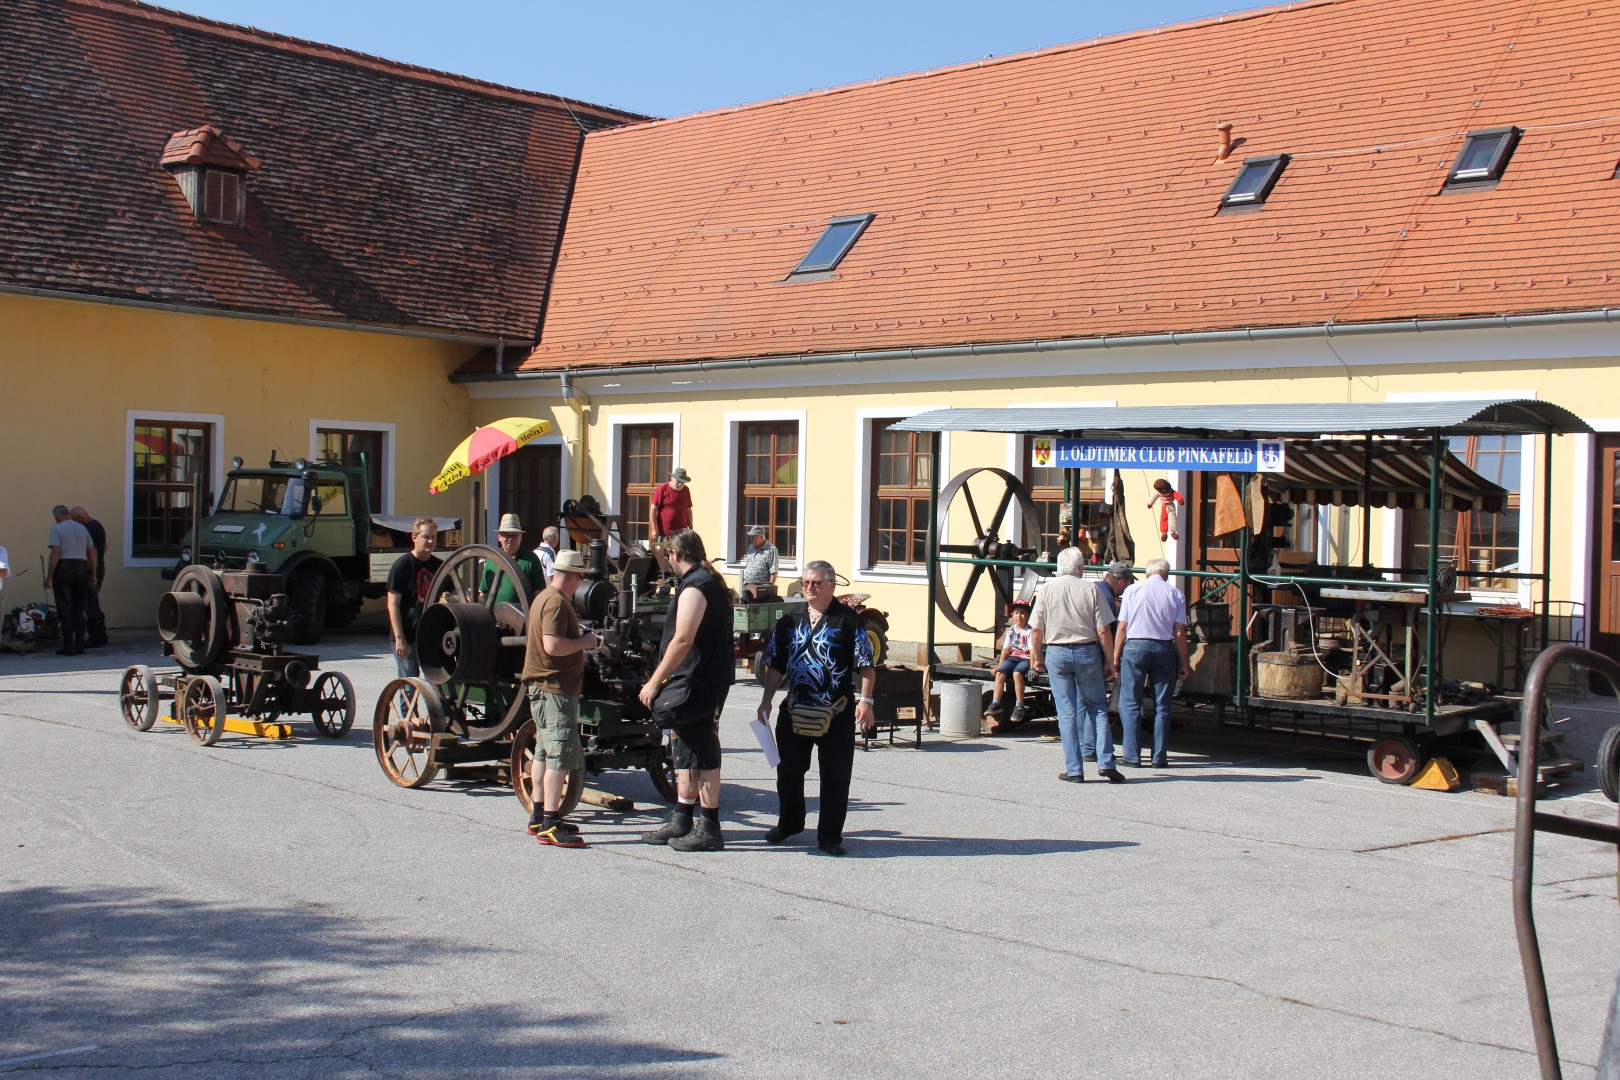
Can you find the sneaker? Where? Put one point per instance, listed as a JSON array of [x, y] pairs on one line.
[[668, 831], [537, 827], [705, 836], [1020, 713], [557, 836], [997, 708]]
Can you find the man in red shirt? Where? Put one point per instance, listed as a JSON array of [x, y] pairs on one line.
[[671, 512]]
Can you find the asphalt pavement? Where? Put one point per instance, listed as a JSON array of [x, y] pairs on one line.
[[279, 909]]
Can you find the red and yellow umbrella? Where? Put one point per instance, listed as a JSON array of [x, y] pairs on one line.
[[486, 446]]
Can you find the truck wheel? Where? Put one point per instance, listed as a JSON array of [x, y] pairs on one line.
[[308, 593], [341, 614]]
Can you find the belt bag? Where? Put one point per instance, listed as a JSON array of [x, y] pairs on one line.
[[680, 703], [813, 721]]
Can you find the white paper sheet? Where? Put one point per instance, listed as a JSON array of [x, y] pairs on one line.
[[767, 741]]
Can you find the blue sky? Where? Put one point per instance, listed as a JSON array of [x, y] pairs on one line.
[[668, 57]]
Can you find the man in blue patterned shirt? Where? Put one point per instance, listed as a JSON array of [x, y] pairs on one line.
[[819, 653]]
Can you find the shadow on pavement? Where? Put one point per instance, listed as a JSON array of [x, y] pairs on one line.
[[154, 982], [885, 844]]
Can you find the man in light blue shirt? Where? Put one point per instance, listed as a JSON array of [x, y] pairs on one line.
[[1150, 642]]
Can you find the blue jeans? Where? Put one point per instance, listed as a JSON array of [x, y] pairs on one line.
[[406, 665], [1075, 673], [1145, 658]]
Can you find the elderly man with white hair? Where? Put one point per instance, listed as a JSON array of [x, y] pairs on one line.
[[1072, 642], [1151, 642]]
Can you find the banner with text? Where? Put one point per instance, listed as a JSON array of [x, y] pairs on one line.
[[1194, 455]]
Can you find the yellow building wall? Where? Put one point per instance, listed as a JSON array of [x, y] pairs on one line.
[[74, 371], [832, 440]]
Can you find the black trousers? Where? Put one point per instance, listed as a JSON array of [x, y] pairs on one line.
[[70, 582], [836, 752]]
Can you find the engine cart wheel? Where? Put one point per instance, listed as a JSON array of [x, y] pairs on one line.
[[333, 708], [1395, 759], [1608, 764], [203, 710], [138, 697], [402, 728], [522, 761], [662, 774], [308, 593]]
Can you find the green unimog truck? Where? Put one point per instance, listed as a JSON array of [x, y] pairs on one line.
[[309, 523]]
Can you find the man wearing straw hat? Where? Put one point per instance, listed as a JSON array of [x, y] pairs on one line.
[[553, 676], [509, 538]]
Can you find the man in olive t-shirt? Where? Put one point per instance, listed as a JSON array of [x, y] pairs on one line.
[[553, 675]]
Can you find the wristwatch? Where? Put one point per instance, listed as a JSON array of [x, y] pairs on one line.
[[863, 700]]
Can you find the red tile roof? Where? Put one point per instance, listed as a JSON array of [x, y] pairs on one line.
[[207, 146], [389, 194], [1073, 192]]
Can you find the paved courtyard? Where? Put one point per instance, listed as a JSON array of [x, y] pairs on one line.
[[261, 909]]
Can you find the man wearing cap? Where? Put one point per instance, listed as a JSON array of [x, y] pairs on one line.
[[1072, 640], [73, 567], [671, 512], [759, 566], [553, 676], [509, 537], [1151, 643]]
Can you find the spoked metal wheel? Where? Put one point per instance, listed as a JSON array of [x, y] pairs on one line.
[[333, 707], [138, 697], [523, 766], [998, 490], [402, 728], [662, 774], [203, 709], [1395, 759]]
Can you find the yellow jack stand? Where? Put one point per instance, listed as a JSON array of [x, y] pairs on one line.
[[1438, 775], [248, 727]]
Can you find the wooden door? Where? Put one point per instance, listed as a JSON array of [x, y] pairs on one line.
[[1605, 621], [531, 487]]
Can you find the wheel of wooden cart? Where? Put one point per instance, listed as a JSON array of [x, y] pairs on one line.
[[333, 710], [523, 762], [662, 774], [1395, 759], [138, 697], [402, 728], [203, 709], [1608, 764]]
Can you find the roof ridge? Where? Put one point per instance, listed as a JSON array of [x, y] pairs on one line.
[[983, 62], [322, 50]]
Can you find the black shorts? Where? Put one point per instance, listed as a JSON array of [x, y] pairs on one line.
[[696, 746]]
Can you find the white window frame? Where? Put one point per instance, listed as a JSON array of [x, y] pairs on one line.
[[864, 571], [216, 473], [1394, 532], [387, 465], [615, 423], [492, 482], [729, 456]]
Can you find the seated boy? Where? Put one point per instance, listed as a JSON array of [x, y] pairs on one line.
[[1014, 661]]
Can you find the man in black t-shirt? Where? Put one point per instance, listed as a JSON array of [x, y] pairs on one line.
[[408, 584], [95, 618]]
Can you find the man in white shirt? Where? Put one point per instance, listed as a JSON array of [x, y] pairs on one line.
[[1151, 642], [547, 551]]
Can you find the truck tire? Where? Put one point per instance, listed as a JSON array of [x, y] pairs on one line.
[[340, 613], [308, 594]]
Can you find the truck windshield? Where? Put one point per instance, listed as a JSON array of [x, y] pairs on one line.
[[264, 495]]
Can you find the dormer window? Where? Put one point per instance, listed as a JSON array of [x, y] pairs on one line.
[[212, 170], [1484, 155], [835, 242], [1255, 181]]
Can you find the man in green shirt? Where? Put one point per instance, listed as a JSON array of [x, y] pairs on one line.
[[509, 539]]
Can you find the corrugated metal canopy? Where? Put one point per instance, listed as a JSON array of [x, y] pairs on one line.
[[1329, 472], [1505, 417]]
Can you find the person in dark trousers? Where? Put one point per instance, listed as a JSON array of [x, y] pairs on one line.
[[819, 654], [697, 650], [95, 619], [408, 583], [73, 566]]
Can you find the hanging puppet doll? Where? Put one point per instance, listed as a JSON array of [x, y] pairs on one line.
[[1169, 501]]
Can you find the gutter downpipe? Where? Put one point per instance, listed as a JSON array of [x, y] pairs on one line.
[[576, 400], [932, 560], [1546, 536], [1207, 337], [1431, 632]]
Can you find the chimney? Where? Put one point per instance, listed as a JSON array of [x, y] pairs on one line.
[[1225, 128]]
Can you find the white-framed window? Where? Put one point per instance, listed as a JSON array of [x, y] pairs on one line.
[[166, 453], [764, 471], [350, 442], [644, 450], [891, 514]]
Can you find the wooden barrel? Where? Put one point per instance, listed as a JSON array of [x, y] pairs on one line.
[[1287, 675]]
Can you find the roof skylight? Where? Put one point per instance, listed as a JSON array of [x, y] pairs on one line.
[[1255, 181], [1484, 155], [835, 242]]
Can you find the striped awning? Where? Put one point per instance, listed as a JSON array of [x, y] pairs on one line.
[[1329, 472]]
